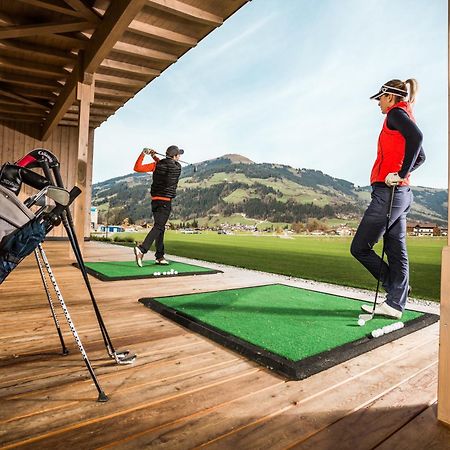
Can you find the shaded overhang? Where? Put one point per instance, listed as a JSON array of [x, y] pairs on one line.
[[47, 47]]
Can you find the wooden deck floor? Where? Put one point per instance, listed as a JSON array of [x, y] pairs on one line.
[[185, 391]]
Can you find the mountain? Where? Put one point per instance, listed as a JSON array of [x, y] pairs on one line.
[[233, 184]]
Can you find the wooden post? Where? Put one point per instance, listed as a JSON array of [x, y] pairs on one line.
[[85, 96], [444, 339]]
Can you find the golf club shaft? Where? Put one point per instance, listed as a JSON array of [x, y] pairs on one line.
[[388, 218], [181, 161]]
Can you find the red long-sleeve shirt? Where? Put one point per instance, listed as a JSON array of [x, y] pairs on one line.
[[139, 166]]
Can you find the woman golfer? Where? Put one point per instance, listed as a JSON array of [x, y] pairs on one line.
[[166, 173], [399, 153]]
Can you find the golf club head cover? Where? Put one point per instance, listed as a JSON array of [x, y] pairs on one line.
[[37, 157], [12, 176]]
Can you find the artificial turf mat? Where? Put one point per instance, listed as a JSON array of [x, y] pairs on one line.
[[294, 331], [128, 270]]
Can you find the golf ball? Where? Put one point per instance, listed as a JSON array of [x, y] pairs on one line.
[[375, 333], [361, 322], [175, 272], [164, 273]]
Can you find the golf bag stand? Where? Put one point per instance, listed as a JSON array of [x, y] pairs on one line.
[[65, 350], [102, 397], [48, 162]]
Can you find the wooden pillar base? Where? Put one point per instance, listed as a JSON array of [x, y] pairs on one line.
[[444, 342]]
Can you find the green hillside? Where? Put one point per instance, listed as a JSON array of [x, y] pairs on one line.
[[233, 185]]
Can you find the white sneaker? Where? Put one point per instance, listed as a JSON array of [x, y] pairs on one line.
[[162, 262], [383, 309], [139, 256]]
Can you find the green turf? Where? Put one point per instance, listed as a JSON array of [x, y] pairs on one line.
[[123, 269], [291, 322], [322, 258]]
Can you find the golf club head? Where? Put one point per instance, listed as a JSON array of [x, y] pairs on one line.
[[58, 195], [365, 317]]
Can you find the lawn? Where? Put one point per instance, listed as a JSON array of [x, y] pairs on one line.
[[319, 258]]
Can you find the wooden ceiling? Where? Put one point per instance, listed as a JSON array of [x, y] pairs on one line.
[[48, 46]]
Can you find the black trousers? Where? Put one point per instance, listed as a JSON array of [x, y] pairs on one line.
[[394, 273], [161, 211]]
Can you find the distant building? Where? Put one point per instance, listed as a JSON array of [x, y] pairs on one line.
[[424, 229], [110, 229], [94, 218]]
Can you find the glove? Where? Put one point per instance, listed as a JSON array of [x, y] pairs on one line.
[[392, 179], [149, 151]]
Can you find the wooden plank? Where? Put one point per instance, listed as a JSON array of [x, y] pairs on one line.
[[35, 68], [52, 7], [295, 409], [121, 82], [35, 53], [422, 433], [22, 80], [185, 11], [143, 52], [116, 19], [4, 90], [18, 31], [84, 10], [129, 68], [161, 34], [372, 424]]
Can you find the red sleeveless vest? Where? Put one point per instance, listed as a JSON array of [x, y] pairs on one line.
[[391, 149]]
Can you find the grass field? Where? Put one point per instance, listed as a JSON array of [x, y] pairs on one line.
[[321, 258]]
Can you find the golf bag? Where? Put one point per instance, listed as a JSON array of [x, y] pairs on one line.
[[22, 232]]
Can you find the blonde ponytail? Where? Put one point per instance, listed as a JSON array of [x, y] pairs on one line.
[[409, 86]]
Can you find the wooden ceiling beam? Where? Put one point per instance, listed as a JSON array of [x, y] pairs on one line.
[[18, 31], [8, 92], [21, 80], [52, 7], [186, 11], [22, 111], [161, 34], [119, 81], [114, 23], [120, 66], [144, 53], [84, 10], [114, 93], [14, 118], [33, 52], [32, 68]]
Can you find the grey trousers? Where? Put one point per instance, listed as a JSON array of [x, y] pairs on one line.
[[394, 272]]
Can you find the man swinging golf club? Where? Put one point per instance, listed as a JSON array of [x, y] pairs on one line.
[[399, 153], [166, 173]]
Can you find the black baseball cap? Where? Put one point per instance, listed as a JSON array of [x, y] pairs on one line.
[[385, 89], [173, 150]]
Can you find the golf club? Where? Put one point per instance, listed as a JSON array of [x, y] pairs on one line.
[[367, 317], [165, 156]]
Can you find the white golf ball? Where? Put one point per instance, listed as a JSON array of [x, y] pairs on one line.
[[164, 273], [361, 322], [375, 333], [155, 273], [175, 272]]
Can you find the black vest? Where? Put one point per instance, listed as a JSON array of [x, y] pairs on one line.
[[165, 178]]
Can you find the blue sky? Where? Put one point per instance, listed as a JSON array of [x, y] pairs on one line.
[[288, 81]]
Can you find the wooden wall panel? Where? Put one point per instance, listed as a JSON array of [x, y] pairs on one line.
[[16, 140]]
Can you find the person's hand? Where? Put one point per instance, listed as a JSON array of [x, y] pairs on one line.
[[392, 179], [149, 151]]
